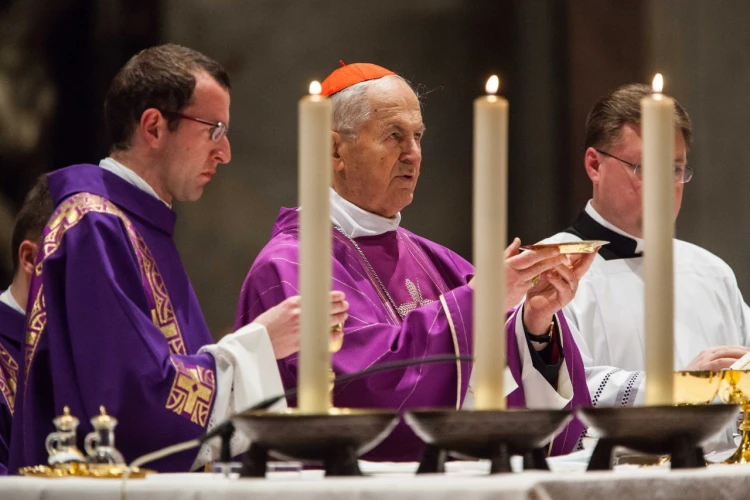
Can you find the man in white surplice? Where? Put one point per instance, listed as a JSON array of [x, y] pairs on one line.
[[711, 319]]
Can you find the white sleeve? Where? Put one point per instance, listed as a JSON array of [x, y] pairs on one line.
[[537, 391], [246, 373], [744, 314]]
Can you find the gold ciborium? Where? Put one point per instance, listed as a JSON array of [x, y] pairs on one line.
[[696, 387], [735, 388]]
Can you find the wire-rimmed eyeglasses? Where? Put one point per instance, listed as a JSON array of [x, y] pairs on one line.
[[218, 129], [682, 174]]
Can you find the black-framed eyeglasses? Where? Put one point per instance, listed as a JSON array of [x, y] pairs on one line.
[[218, 129], [682, 174]]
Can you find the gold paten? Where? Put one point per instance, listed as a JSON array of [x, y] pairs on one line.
[[696, 387], [735, 389], [571, 247], [99, 471]]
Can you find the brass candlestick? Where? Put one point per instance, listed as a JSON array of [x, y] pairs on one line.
[[335, 438]]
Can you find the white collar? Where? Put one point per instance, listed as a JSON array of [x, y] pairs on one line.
[[357, 222], [7, 298], [111, 165], [639, 242]]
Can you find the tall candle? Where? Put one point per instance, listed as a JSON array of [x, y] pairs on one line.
[[658, 133], [314, 162], [490, 236]]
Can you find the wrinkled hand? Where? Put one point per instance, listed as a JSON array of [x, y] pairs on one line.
[[717, 357], [282, 323], [555, 290], [522, 268]]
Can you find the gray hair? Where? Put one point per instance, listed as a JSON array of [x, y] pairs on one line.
[[351, 106]]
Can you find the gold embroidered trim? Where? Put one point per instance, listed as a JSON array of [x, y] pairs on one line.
[[8, 378], [455, 348], [34, 327], [67, 216], [192, 392], [183, 398]]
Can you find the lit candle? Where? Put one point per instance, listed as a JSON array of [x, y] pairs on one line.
[[490, 236], [315, 250], [658, 135]]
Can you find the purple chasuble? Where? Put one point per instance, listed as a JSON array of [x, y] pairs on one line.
[[12, 325], [112, 320], [408, 298]]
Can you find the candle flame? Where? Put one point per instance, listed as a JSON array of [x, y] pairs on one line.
[[493, 84], [315, 88], [658, 83]]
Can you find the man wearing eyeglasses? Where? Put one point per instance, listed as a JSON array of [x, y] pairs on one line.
[[712, 326], [112, 317]]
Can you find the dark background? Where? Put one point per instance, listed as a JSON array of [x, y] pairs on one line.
[[555, 59]]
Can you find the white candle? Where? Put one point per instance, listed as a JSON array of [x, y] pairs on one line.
[[658, 133], [490, 237], [314, 162]]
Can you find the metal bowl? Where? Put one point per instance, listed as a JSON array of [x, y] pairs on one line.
[[653, 429], [473, 433], [305, 436]]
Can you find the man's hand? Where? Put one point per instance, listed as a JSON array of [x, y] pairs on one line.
[[555, 290], [522, 268], [282, 323], [717, 358]]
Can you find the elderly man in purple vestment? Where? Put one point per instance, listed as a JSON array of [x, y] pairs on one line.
[[410, 297], [113, 319], [27, 231]]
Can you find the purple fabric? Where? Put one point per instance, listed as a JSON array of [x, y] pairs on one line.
[[11, 340], [100, 344], [374, 332]]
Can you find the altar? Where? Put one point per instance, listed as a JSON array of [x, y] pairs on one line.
[[467, 481]]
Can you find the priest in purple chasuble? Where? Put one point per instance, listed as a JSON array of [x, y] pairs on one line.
[[113, 320], [12, 323], [409, 297], [27, 231]]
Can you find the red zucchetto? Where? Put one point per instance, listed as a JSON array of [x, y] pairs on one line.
[[352, 74]]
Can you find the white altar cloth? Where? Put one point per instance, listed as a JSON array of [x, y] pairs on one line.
[[715, 482]]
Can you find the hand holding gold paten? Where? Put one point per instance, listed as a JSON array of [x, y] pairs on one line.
[[524, 269], [556, 288]]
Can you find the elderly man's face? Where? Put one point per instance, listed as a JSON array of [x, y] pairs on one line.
[[378, 170], [618, 194]]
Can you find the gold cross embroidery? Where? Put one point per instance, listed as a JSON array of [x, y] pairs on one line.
[[416, 298], [192, 393]]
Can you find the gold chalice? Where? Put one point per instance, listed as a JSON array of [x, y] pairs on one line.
[[334, 346], [691, 388], [696, 387], [735, 389]]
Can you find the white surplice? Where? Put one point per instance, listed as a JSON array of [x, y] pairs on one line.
[[608, 310]]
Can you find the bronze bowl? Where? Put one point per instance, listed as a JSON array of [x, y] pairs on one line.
[[675, 430], [313, 437], [472, 433], [491, 434]]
